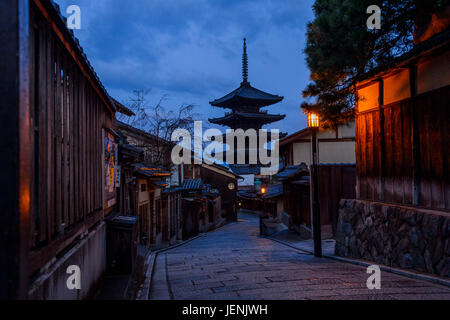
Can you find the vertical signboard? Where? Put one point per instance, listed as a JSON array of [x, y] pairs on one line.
[[111, 169]]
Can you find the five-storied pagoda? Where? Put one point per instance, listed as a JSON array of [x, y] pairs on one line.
[[245, 103]]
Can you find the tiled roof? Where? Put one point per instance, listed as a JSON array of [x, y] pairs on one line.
[[299, 134], [61, 22], [160, 183], [171, 190], [233, 116], [192, 184], [247, 194], [246, 95], [130, 149], [292, 171], [126, 127], [122, 109], [241, 169], [151, 171], [273, 191]]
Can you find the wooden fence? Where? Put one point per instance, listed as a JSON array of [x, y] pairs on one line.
[[67, 115], [336, 182], [385, 151]]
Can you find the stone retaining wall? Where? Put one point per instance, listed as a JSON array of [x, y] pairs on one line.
[[395, 236]]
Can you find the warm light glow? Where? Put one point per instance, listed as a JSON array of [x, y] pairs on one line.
[[313, 120], [240, 204], [263, 190]]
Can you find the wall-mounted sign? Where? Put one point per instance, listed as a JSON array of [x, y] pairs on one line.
[[118, 176], [112, 177]]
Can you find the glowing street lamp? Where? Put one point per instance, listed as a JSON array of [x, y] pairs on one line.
[[313, 124], [263, 191], [313, 120]]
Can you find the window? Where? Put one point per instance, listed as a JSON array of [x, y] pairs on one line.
[[143, 187]]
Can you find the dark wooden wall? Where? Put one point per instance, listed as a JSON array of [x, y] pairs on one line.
[[385, 159], [220, 182], [297, 202], [336, 182], [14, 148], [67, 115], [191, 218]]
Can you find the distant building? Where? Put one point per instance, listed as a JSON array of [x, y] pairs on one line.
[[333, 146], [222, 179], [336, 169], [158, 214]]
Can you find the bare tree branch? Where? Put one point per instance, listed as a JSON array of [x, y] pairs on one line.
[[160, 123]]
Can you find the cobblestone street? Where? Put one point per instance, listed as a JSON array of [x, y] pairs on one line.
[[234, 263]]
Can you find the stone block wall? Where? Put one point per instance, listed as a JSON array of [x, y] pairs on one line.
[[396, 236]]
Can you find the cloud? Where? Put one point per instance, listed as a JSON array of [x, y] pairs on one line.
[[191, 49]]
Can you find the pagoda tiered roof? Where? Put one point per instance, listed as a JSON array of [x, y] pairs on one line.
[[246, 95], [245, 103], [230, 119]]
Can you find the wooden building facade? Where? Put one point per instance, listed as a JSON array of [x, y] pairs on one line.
[[55, 116], [401, 215], [172, 230], [201, 208], [225, 181], [148, 200], [220, 178], [336, 173], [402, 130]]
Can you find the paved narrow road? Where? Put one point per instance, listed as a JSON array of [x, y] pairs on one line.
[[234, 263]]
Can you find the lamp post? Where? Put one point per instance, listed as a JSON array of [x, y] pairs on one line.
[[313, 124], [263, 192]]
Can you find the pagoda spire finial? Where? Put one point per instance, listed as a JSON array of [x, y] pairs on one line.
[[245, 64]]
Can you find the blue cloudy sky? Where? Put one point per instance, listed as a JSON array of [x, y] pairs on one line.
[[190, 50]]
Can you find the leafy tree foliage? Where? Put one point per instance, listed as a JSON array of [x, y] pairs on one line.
[[340, 49]]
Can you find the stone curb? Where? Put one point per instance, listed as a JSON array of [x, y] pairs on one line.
[[401, 272], [287, 244], [144, 290], [412, 275]]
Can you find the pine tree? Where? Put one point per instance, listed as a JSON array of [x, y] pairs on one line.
[[341, 49]]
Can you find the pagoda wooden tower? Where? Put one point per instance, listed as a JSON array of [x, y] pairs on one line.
[[245, 103]]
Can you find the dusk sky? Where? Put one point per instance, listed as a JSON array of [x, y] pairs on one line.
[[191, 50]]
